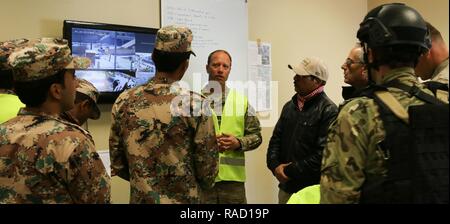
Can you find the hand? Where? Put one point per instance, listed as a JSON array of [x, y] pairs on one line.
[[279, 173], [227, 142]]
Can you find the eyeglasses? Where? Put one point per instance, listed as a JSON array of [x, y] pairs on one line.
[[348, 62]]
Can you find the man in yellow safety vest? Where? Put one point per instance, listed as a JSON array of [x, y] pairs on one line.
[[237, 128]]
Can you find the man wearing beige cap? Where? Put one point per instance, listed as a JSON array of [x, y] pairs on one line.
[[45, 159], [295, 148], [85, 104], [161, 140]]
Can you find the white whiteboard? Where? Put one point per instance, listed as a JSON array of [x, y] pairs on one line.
[[216, 24]]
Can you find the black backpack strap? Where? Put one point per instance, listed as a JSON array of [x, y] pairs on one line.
[[434, 86], [415, 91]]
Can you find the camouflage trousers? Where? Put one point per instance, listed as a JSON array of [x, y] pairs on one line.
[[225, 192]]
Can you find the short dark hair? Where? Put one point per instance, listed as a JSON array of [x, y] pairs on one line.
[[397, 56], [6, 79], [34, 93], [211, 54], [311, 77], [169, 61]]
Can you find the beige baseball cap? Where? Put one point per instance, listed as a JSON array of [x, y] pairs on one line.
[[311, 66]]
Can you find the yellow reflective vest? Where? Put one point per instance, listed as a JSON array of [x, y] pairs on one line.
[[10, 105], [232, 163], [307, 195]]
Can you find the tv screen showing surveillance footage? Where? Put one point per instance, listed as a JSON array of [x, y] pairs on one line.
[[119, 60]]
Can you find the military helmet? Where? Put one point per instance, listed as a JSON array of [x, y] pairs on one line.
[[394, 24]]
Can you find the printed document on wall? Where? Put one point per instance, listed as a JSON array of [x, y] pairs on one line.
[[260, 73]]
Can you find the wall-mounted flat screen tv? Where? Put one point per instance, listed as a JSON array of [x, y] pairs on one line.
[[120, 55]]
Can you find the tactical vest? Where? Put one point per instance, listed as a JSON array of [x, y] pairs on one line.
[[440, 90], [415, 148], [232, 163]]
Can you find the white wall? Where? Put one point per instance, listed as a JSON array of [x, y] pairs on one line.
[[295, 28], [29, 18]]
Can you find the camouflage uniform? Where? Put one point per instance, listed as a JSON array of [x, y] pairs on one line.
[[166, 148], [352, 156], [440, 74], [42, 158], [6, 48], [46, 160]]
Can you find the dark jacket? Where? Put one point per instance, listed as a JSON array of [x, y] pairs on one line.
[[349, 92], [299, 137]]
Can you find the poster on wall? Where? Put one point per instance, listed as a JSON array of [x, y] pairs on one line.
[[260, 73]]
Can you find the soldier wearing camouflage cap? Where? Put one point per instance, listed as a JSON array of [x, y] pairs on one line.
[[8, 98], [45, 159], [161, 140], [85, 104]]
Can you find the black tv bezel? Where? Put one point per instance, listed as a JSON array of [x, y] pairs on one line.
[[104, 97]]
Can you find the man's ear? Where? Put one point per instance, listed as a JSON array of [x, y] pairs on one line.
[[365, 74], [428, 54], [55, 91], [85, 104]]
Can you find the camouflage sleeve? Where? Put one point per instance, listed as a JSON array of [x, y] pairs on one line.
[[76, 165], [206, 158], [119, 165], [345, 155], [252, 132], [88, 180]]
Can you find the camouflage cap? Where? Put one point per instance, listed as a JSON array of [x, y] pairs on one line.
[[42, 58], [174, 39], [311, 66], [6, 48], [89, 90]]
